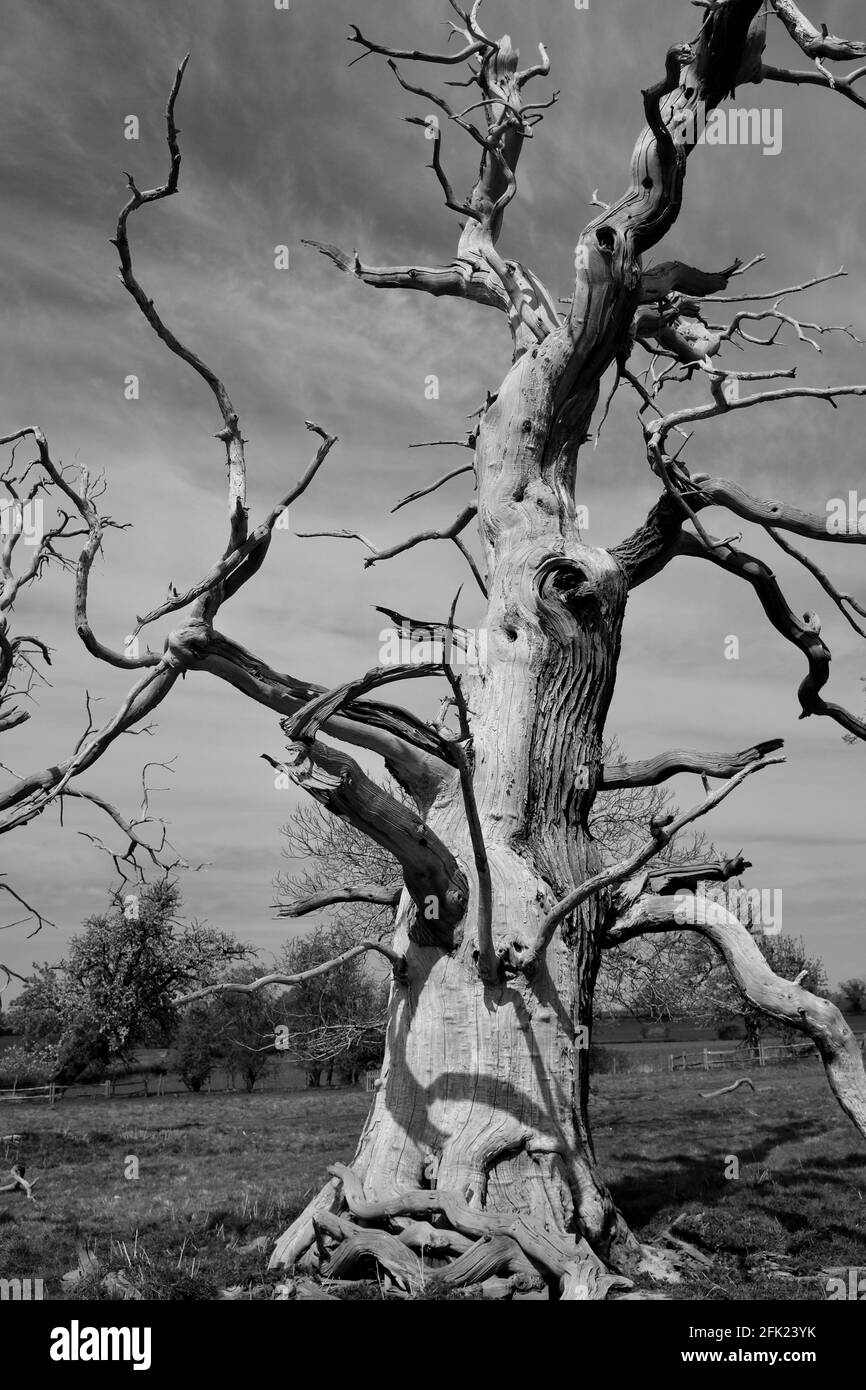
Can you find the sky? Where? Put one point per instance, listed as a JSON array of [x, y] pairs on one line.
[[283, 140]]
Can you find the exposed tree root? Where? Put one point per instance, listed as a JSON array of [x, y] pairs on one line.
[[294, 1242], [339, 1234], [429, 1242], [355, 1246]]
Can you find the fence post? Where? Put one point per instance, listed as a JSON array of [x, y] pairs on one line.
[[706, 1060], [761, 1059], [51, 1092]]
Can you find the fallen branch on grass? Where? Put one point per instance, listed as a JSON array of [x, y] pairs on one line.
[[19, 1183], [723, 1090]]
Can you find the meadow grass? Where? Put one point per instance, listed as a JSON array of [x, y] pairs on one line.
[[219, 1172]]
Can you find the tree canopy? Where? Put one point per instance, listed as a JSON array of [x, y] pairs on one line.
[[117, 985]]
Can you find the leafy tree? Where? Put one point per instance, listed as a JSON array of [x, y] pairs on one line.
[[242, 1027], [27, 1066], [38, 1013], [193, 1054], [115, 987], [853, 995]]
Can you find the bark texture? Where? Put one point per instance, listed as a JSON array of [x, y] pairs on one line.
[[485, 1083], [484, 1086], [481, 1119]]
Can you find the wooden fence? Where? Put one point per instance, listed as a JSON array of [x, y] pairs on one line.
[[767, 1054], [150, 1084], [51, 1093], [129, 1087]]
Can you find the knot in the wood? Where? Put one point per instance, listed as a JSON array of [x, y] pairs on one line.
[[456, 899], [606, 238], [566, 582], [187, 645], [677, 56], [658, 826]]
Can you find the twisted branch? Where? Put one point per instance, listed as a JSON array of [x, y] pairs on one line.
[[661, 834], [279, 978]]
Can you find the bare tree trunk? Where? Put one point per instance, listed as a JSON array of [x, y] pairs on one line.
[[481, 1116], [482, 1111], [485, 1085]]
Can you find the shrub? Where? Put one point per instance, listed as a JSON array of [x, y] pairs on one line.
[[27, 1066], [192, 1055]]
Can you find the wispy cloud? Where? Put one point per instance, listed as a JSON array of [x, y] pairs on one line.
[[282, 141]]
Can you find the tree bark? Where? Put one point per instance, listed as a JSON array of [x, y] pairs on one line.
[[485, 1085], [485, 1081]]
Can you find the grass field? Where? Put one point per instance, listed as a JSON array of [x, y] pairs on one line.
[[216, 1172]]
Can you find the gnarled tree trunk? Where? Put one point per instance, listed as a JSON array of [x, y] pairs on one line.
[[481, 1117], [485, 1083]]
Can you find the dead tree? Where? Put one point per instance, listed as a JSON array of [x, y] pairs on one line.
[[478, 1139]]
